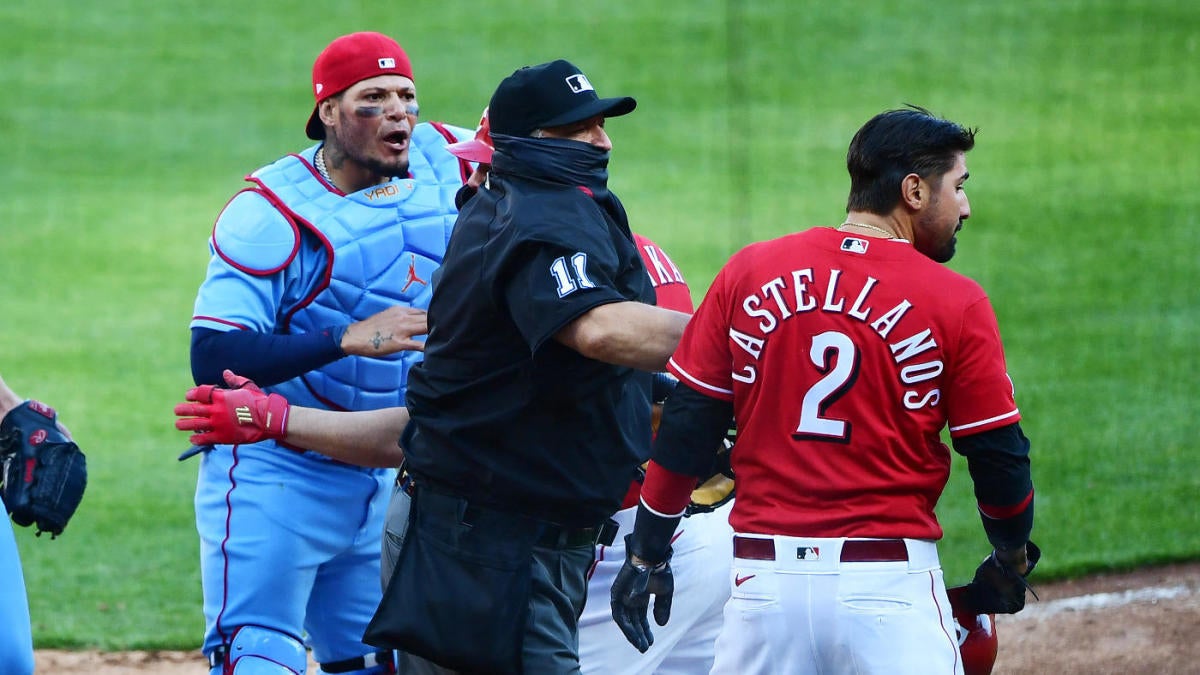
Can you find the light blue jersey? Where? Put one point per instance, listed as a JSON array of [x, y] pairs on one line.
[[290, 539], [16, 636]]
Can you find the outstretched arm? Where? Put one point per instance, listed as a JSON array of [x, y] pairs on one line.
[[243, 413], [365, 438], [629, 333]]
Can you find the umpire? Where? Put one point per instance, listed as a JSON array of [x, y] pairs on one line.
[[531, 410]]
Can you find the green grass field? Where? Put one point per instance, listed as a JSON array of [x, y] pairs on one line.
[[130, 122]]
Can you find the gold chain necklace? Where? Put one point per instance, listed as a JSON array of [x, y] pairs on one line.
[[319, 162], [890, 235]]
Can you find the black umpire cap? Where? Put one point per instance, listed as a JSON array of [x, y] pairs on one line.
[[549, 95]]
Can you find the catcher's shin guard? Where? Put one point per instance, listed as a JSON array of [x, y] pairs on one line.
[[255, 650]]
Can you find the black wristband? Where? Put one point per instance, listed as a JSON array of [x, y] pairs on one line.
[[1006, 534], [652, 534]]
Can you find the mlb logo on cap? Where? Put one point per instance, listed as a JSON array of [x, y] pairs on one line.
[[387, 63], [534, 97], [579, 83]]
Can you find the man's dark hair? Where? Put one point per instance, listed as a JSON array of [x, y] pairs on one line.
[[894, 144]]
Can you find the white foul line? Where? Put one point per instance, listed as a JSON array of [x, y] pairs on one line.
[[1039, 610]]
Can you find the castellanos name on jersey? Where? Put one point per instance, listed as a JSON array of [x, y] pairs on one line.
[[783, 298]]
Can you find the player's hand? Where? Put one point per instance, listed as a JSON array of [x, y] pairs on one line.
[[387, 332], [242, 413], [630, 597], [999, 585]]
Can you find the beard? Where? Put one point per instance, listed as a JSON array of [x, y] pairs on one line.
[[397, 167], [352, 148], [938, 251], [945, 252]]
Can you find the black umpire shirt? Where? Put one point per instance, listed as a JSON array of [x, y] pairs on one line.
[[503, 414]]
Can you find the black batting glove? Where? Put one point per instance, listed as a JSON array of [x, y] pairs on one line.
[[998, 588], [630, 596]]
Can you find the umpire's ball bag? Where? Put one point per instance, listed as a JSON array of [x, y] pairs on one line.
[[460, 593]]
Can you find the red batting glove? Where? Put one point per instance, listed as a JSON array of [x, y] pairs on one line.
[[242, 414]]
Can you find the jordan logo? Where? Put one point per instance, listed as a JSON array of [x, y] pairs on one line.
[[738, 579], [412, 274]]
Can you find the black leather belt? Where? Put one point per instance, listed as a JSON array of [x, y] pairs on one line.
[[552, 535], [555, 536]]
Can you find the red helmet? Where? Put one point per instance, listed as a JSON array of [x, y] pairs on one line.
[[976, 634]]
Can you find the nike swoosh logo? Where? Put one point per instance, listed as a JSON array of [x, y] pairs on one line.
[[738, 580]]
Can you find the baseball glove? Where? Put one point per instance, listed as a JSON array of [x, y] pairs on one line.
[[718, 489], [998, 588], [44, 472]]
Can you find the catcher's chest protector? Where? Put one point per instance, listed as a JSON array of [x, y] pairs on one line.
[[384, 243]]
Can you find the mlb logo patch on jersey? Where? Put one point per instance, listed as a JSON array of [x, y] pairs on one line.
[[808, 553], [854, 245]]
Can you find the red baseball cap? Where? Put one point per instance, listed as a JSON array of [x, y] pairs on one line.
[[349, 59], [478, 149]]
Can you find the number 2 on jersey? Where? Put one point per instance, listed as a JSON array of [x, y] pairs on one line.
[[835, 355]]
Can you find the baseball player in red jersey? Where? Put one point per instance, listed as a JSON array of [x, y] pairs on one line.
[[843, 353]]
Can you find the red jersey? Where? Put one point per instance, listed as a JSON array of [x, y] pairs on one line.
[[845, 357], [670, 290]]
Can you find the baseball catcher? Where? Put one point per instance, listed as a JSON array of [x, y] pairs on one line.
[[44, 472]]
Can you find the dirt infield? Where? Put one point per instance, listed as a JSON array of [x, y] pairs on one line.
[[1133, 624]]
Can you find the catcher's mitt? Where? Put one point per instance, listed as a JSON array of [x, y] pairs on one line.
[[44, 472]]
